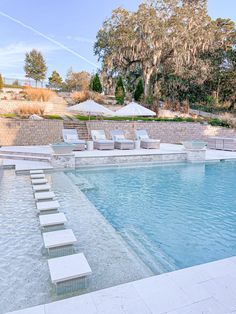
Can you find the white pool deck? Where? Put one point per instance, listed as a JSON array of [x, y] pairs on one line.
[[205, 289], [21, 165]]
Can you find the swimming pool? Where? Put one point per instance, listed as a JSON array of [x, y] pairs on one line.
[[146, 220], [171, 216]]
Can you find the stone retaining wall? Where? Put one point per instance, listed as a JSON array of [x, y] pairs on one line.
[[29, 132], [168, 132], [43, 132]]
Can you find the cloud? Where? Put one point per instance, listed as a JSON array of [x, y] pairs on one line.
[[81, 39], [13, 55]]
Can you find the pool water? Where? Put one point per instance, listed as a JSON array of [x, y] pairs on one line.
[[172, 216]]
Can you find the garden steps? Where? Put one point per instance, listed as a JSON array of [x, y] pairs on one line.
[[80, 126]]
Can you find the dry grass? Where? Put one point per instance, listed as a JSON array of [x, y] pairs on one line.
[[28, 110], [85, 95], [38, 94], [229, 118]]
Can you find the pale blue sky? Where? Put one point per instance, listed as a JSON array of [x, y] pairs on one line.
[[73, 23]]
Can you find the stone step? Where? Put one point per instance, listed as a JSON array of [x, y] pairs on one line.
[[24, 157], [15, 152]]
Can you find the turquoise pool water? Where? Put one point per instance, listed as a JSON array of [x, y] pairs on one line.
[[172, 216]]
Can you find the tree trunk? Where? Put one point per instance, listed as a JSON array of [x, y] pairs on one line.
[[147, 73]]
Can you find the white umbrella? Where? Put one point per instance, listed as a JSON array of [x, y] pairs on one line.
[[134, 110], [90, 107]]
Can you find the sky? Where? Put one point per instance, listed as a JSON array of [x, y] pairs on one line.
[[64, 31]]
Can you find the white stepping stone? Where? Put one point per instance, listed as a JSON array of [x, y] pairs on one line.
[[41, 187], [36, 171], [68, 267], [44, 196], [58, 238], [50, 205], [37, 176], [52, 220], [39, 181]]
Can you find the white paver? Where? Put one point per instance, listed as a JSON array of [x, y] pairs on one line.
[[39, 181], [203, 289], [59, 238], [44, 196], [32, 310], [36, 171], [49, 205], [68, 267], [41, 187], [52, 219], [37, 176]]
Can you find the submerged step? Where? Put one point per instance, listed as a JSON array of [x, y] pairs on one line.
[[37, 176], [68, 267], [52, 220], [39, 181], [41, 187], [44, 195], [36, 171], [59, 238], [45, 206]]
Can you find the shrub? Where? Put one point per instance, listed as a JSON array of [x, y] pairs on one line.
[[38, 94], [85, 95], [120, 91], [95, 84], [1, 82], [28, 110], [219, 122], [139, 91]]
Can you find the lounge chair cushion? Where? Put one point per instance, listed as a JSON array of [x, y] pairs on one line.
[[119, 137], [150, 140], [104, 141], [71, 137]]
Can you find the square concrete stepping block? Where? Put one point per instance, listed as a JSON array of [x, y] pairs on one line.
[[58, 238], [39, 181], [36, 171], [68, 267], [44, 196], [41, 187], [37, 176], [49, 205], [52, 220]]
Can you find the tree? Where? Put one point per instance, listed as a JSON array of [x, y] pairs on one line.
[[1, 82], [160, 33], [139, 91], [95, 84], [55, 80], [120, 91], [78, 81], [35, 66]]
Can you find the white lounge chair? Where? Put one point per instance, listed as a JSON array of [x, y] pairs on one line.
[[100, 140], [120, 141], [71, 136], [146, 141]]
